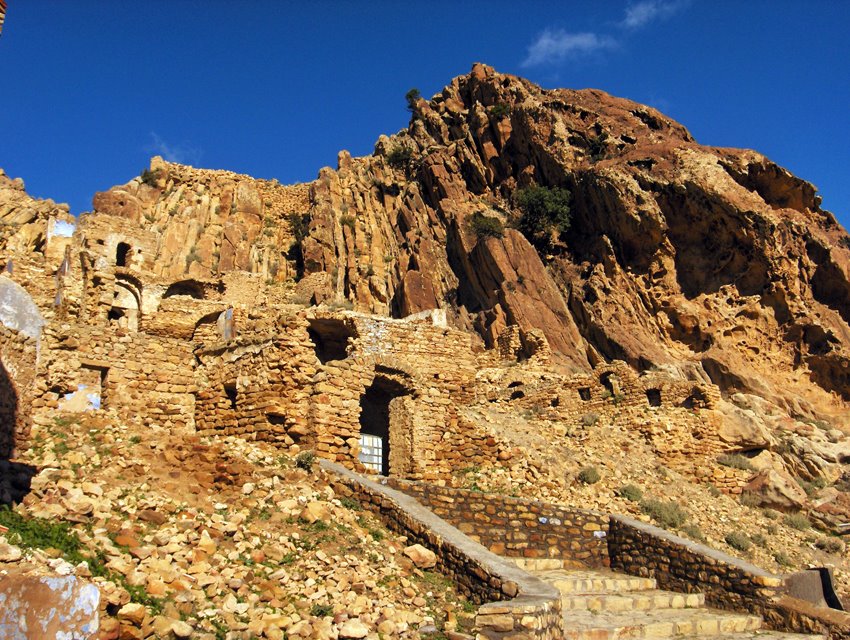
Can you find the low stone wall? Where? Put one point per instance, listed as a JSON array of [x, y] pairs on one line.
[[517, 527], [17, 372], [681, 565], [516, 604]]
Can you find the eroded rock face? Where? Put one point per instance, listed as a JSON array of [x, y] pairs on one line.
[[679, 256]]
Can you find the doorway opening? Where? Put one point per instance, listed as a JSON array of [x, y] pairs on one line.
[[379, 405]]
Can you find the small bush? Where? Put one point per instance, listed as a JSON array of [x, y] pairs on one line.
[[500, 110], [759, 540], [693, 532], [299, 223], [738, 540], [669, 515], [305, 460], [797, 521], [750, 499], [812, 488], [321, 610], [736, 461], [630, 492], [598, 146], [782, 559], [350, 503], [400, 157], [347, 221], [589, 475], [412, 97], [150, 177], [486, 226], [589, 419], [545, 213], [830, 545], [770, 514]]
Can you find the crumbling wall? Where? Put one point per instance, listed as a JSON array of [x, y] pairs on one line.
[[145, 376], [17, 375]]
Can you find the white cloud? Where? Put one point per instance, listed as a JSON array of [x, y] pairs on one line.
[[180, 153], [642, 13], [556, 45]]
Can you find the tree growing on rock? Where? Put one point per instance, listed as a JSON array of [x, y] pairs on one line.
[[545, 213]]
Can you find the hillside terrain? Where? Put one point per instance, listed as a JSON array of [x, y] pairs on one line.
[[564, 296]]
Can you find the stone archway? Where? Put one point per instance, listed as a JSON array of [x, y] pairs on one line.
[[386, 429], [126, 307]]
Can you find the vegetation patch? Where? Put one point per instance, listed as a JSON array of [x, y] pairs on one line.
[[589, 475], [797, 521], [736, 461], [399, 157], [486, 226], [738, 541], [630, 492], [545, 213], [669, 515]]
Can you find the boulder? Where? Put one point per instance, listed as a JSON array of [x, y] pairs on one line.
[[423, 558], [776, 489]]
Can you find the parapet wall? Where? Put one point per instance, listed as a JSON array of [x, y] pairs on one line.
[[17, 374], [516, 605], [516, 527]]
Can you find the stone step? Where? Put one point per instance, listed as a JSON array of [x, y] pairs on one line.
[[598, 582], [538, 564], [632, 601], [758, 635], [662, 623]]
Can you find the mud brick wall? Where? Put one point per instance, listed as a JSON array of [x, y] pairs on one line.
[[145, 376], [17, 374], [517, 527], [517, 606]]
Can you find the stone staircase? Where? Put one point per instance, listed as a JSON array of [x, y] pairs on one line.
[[603, 605]]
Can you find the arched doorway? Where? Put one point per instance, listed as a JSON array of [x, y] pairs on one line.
[[385, 433]]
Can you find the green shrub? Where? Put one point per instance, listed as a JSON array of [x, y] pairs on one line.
[[589, 475], [630, 492], [347, 221], [545, 213], [811, 488], [736, 461], [150, 177], [412, 97], [399, 157], [500, 110], [350, 503], [589, 419], [797, 521], [299, 223], [485, 226], [305, 460], [770, 514], [738, 540], [693, 532], [759, 539], [321, 610], [598, 147], [669, 515], [782, 559]]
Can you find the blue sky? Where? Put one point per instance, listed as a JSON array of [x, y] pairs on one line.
[[275, 89]]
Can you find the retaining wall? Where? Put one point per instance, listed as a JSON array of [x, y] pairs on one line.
[[516, 604]]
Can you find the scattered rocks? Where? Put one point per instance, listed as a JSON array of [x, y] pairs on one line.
[[423, 558]]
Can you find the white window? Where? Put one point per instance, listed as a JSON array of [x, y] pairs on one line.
[[372, 452]]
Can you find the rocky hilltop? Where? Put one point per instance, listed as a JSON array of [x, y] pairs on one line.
[[715, 264]]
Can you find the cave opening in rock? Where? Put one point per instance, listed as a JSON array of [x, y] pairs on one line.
[[381, 425], [121, 254], [191, 288], [584, 393], [330, 338]]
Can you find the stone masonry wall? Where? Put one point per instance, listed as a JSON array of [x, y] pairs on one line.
[[516, 605], [517, 527], [727, 582], [147, 376], [17, 373]]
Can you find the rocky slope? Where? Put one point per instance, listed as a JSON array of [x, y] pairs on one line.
[[191, 538]]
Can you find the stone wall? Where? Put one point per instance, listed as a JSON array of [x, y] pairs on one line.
[[515, 605], [728, 583], [149, 377], [17, 374], [518, 527]]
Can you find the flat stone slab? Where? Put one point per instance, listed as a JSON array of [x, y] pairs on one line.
[[570, 582], [633, 601]]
